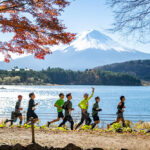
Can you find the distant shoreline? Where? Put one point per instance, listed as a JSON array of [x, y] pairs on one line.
[[1, 85]]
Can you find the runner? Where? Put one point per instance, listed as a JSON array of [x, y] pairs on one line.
[[31, 108], [120, 111], [84, 106], [59, 103], [68, 108], [16, 114], [95, 111]]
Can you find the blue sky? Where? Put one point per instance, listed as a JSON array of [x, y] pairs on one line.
[[83, 15]]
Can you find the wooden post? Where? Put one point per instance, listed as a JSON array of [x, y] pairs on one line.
[[32, 128]]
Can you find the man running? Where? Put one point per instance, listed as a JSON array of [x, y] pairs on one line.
[[95, 111], [120, 111], [59, 103], [68, 108], [16, 114], [84, 107], [31, 108]]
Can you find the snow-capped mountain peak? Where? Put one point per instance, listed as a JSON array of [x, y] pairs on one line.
[[97, 40], [94, 46]]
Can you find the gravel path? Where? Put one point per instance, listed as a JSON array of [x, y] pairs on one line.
[[83, 139]]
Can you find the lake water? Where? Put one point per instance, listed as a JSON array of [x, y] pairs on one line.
[[137, 100]]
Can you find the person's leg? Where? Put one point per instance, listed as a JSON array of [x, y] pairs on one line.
[[50, 122], [81, 122], [20, 118], [35, 120], [55, 120], [64, 124], [28, 118], [87, 118], [60, 115], [94, 124], [88, 122], [117, 121], [71, 122], [35, 117], [123, 122], [72, 125], [6, 121], [13, 115], [96, 121], [64, 121]]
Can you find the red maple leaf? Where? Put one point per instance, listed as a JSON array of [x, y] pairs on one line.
[[35, 25]]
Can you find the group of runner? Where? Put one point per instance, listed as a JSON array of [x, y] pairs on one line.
[[61, 105]]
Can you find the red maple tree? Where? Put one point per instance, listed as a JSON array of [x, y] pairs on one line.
[[35, 25]]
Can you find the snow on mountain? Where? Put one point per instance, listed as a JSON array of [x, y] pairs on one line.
[[90, 49], [97, 40]]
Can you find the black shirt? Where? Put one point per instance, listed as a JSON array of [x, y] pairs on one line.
[[31, 105], [95, 109], [120, 107], [67, 106], [18, 103]]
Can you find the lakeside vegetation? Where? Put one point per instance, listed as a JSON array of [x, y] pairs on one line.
[[66, 77]]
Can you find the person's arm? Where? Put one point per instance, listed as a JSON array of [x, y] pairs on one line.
[[33, 105], [69, 111], [98, 109], [95, 108], [56, 105], [70, 108], [93, 89], [119, 107], [79, 105], [17, 106], [20, 108]]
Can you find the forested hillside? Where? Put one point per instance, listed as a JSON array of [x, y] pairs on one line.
[[139, 68], [69, 77]]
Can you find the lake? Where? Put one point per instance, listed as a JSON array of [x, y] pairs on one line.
[[137, 100]]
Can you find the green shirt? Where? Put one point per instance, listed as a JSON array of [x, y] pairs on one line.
[[59, 103], [84, 103]]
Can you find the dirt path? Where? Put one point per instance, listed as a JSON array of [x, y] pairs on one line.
[[82, 139]]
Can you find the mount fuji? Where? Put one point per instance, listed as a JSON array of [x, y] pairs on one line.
[[89, 50]]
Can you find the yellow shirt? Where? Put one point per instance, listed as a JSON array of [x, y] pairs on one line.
[[84, 103]]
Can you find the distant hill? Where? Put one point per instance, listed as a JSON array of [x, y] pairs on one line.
[[90, 48], [138, 68], [66, 77]]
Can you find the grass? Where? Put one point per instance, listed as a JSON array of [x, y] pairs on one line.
[[139, 127]]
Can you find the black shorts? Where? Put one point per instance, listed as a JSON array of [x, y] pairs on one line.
[[120, 115], [31, 114], [18, 114], [15, 115], [96, 118], [68, 118], [60, 115]]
